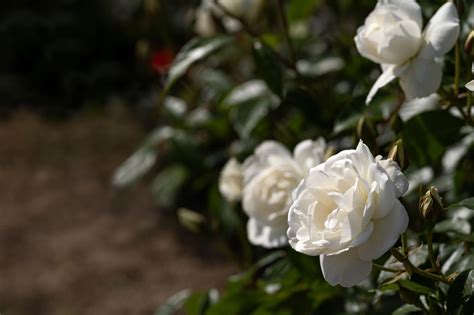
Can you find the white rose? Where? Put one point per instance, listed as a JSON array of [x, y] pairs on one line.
[[392, 36], [230, 180], [248, 10], [470, 86], [346, 210], [270, 176]]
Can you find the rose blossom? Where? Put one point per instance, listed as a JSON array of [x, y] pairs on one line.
[[270, 176], [470, 85], [346, 211], [230, 181], [392, 36]]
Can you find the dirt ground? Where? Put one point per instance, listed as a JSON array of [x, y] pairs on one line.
[[69, 244]]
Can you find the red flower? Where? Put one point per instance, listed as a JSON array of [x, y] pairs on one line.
[[161, 60]]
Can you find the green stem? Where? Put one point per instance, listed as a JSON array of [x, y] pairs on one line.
[[457, 69], [429, 240], [469, 78], [383, 268], [412, 269], [404, 244], [284, 22]]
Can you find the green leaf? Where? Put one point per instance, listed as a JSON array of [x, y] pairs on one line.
[[250, 102], [134, 167], [461, 292], [406, 309], [166, 185], [466, 203], [307, 266], [268, 67], [374, 111], [140, 162], [415, 287], [390, 287], [431, 139], [194, 50], [199, 302], [236, 304], [456, 225], [301, 9], [174, 303]]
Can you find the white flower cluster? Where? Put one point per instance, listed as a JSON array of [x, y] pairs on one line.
[[267, 179], [345, 210]]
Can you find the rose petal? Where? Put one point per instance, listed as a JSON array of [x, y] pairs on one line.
[[230, 180], [345, 269], [259, 160], [265, 235], [396, 175], [421, 78], [441, 32], [310, 153], [413, 107], [389, 74], [410, 9], [385, 234], [470, 86]]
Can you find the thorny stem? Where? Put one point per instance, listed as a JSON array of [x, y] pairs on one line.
[[410, 268], [284, 21]]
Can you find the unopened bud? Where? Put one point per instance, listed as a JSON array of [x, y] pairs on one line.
[[469, 44], [431, 205], [398, 154]]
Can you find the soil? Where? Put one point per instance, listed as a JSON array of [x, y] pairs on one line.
[[69, 243]]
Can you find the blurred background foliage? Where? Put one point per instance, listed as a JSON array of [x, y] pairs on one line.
[[206, 99]]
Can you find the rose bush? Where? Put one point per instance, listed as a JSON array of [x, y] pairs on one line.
[[270, 176], [392, 36], [346, 210], [295, 74]]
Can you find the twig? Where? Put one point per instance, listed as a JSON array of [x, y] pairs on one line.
[[284, 22], [383, 268], [410, 268]]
